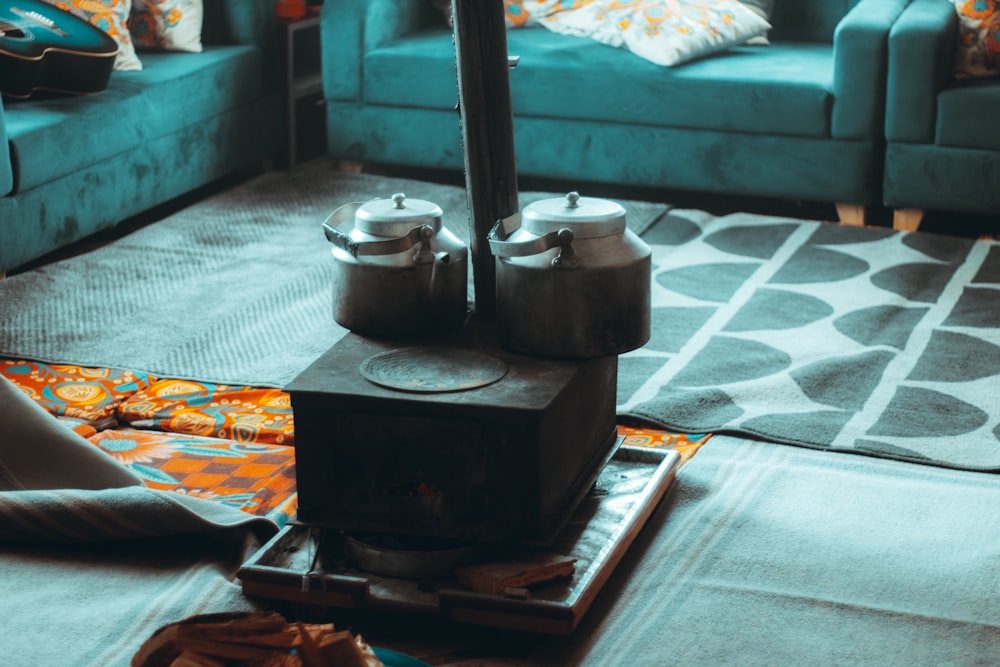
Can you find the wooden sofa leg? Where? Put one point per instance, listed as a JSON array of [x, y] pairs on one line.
[[907, 219], [851, 214]]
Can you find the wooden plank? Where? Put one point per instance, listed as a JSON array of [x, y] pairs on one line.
[[604, 528], [498, 577]]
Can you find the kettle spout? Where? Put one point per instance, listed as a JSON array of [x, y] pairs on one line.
[[441, 259]]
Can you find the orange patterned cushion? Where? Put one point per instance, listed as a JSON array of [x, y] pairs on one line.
[[243, 414], [978, 53], [111, 16]]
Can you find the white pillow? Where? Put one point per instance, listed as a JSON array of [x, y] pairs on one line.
[[665, 32]]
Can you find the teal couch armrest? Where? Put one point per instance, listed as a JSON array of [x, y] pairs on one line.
[[6, 168], [351, 28], [921, 58], [860, 52]]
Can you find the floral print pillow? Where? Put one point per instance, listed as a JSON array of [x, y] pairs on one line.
[[520, 13], [111, 16], [664, 32], [167, 25], [978, 53]]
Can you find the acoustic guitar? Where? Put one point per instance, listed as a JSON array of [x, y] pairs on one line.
[[46, 48]]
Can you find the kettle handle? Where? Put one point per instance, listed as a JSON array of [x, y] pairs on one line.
[[562, 238], [331, 227]]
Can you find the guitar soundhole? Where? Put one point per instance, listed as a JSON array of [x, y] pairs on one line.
[[10, 30]]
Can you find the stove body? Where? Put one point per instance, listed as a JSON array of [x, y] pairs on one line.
[[505, 462]]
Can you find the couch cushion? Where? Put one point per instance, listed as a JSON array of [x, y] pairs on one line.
[[783, 89], [967, 114], [173, 91]]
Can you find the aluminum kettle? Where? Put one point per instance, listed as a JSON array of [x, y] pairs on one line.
[[398, 272], [572, 281]]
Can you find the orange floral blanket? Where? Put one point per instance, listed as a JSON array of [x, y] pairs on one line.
[[231, 445]]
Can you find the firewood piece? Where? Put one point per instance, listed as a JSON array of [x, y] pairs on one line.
[[191, 659], [499, 576], [260, 639]]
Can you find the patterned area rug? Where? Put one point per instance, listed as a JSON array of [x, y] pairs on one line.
[[798, 332], [807, 333]]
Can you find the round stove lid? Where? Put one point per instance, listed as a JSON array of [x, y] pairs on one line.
[[432, 369]]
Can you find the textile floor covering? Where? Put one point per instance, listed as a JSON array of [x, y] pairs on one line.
[[761, 554], [799, 332]]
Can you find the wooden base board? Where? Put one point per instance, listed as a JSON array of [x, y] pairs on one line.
[[291, 568]]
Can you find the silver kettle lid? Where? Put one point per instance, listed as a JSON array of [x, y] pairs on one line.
[[587, 217], [397, 215]]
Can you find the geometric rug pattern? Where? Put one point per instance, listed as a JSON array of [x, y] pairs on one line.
[[852, 339], [809, 333]]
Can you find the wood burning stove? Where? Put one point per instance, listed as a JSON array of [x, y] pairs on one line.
[[457, 442], [497, 461]]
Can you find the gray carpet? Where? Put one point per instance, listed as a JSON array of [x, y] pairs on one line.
[[798, 332], [773, 556], [235, 289]]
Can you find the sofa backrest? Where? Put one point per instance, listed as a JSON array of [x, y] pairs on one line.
[[248, 22], [6, 167], [239, 22], [808, 20]]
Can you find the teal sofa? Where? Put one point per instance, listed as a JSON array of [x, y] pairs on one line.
[[73, 165], [943, 150], [801, 119]]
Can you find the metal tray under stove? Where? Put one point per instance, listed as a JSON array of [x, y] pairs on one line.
[[291, 568]]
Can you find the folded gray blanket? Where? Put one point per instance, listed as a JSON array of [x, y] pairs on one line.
[[92, 561], [57, 487]]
